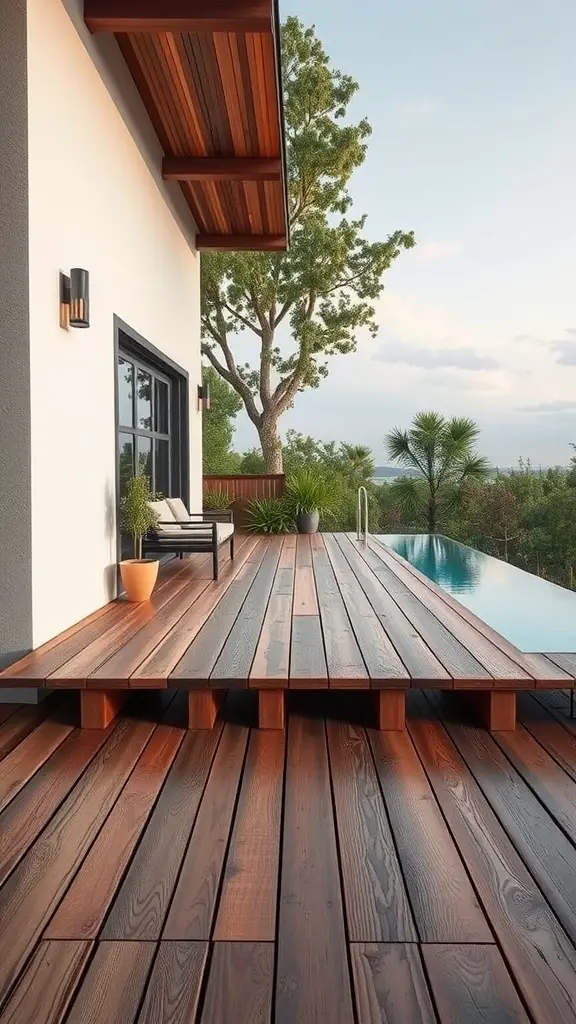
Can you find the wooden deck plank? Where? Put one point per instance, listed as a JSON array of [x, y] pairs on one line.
[[559, 743], [30, 754], [233, 665], [444, 904], [305, 596], [34, 889], [126, 660], [156, 668], [449, 651], [201, 654], [84, 907], [173, 991], [343, 658], [308, 668], [423, 666], [240, 967], [312, 975], [471, 983], [194, 903], [378, 652], [47, 986], [22, 724], [272, 656], [502, 664], [390, 984], [114, 984], [566, 662], [537, 949], [543, 846], [377, 906], [141, 904], [247, 906], [28, 813], [6, 710]]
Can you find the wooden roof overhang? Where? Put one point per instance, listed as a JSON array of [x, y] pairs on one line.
[[208, 72]]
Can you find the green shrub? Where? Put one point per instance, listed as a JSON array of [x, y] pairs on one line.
[[308, 492], [269, 515], [217, 500], [136, 516]]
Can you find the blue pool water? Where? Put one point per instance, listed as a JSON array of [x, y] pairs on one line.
[[530, 612]]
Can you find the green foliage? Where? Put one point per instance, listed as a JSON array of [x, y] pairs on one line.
[[252, 463], [444, 452], [218, 425], [307, 492], [217, 500], [270, 515], [136, 516], [324, 288]]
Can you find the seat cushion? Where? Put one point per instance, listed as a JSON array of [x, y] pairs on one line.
[[164, 514], [178, 509], [223, 532]]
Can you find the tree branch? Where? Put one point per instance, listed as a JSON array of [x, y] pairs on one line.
[[233, 378], [243, 320]]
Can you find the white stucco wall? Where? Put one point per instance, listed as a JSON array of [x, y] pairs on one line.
[[95, 204]]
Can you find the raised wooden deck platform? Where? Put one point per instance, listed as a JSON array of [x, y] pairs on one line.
[[291, 613], [329, 874]]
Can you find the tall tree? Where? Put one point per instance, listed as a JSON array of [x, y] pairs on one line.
[[218, 425], [444, 451], [357, 463], [322, 291]]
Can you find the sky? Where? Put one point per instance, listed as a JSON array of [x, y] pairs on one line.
[[473, 110]]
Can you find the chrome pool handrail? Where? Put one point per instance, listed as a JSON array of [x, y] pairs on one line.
[[362, 498]]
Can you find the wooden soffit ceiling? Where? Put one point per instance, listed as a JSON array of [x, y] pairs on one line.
[[208, 72]]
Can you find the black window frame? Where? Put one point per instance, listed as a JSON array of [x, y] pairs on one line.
[[132, 346]]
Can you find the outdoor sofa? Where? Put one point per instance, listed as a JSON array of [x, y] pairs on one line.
[[179, 532]]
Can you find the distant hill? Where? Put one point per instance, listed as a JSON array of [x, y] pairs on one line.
[[392, 472]]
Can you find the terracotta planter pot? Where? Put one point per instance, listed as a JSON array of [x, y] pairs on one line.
[[139, 576]]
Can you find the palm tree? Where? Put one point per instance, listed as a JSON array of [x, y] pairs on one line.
[[358, 463], [443, 451]]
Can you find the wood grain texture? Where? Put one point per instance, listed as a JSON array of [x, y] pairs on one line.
[[99, 707], [390, 985], [271, 709], [47, 986], [560, 743], [443, 901], [22, 724], [30, 754], [173, 991], [84, 907], [390, 710], [377, 907], [36, 886], [312, 975], [114, 984], [497, 709], [240, 983], [247, 906], [537, 949], [272, 656], [343, 657], [305, 597], [194, 903], [471, 983], [308, 667], [142, 902], [203, 707]]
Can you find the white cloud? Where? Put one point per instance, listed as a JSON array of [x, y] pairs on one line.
[[436, 250], [422, 107], [433, 358]]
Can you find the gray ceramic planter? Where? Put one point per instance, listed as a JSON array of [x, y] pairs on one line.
[[307, 522]]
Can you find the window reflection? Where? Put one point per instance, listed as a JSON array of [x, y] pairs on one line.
[[145, 458], [144, 400], [125, 393], [162, 467], [161, 407], [126, 459]]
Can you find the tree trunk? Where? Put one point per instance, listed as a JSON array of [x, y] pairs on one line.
[[271, 445], [432, 515]]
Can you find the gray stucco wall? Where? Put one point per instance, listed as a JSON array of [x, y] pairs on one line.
[[15, 487]]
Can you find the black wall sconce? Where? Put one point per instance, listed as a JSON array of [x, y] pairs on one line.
[[203, 397], [75, 299]]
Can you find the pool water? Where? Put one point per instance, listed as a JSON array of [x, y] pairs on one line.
[[532, 613]]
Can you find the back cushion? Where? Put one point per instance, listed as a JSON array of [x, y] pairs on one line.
[[163, 511], [179, 510]]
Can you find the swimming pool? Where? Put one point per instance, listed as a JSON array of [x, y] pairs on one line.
[[533, 614]]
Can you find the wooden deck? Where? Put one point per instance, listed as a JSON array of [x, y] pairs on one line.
[[291, 613], [328, 874]]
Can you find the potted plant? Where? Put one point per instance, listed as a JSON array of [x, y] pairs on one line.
[[136, 518], [309, 496]]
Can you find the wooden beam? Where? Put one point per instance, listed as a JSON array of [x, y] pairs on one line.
[[242, 243], [99, 707], [117, 16], [498, 709], [203, 707], [391, 710], [190, 168], [271, 709]]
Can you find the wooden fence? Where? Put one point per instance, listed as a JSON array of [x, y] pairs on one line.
[[246, 487]]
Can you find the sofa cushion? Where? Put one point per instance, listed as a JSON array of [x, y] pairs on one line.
[[163, 512], [223, 532], [178, 509]]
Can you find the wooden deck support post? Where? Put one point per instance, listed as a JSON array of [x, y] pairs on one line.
[[498, 709], [203, 707], [391, 710], [271, 709], [99, 707]]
